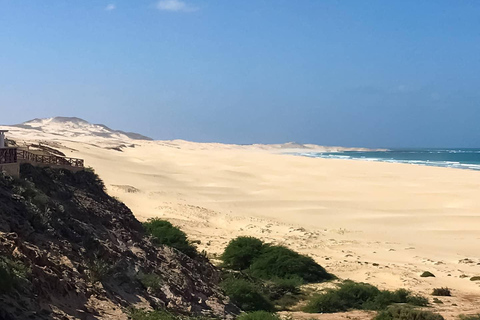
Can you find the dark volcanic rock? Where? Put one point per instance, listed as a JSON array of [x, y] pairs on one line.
[[76, 253]]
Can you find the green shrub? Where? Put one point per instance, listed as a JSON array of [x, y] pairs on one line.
[[385, 298], [417, 300], [164, 233], [138, 314], [99, 269], [287, 301], [406, 313], [274, 272], [12, 273], [7, 279], [283, 293], [41, 200], [427, 274], [240, 252], [271, 262], [326, 303], [352, 295], [150, 280], [280, 262], [445, 292], [283, 286], [259, 315], [476, 278], [90, 178], [246, 295]]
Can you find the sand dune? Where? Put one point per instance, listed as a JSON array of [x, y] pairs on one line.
[[382, 223]]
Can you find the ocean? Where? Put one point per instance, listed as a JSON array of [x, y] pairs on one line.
[[451, 158]]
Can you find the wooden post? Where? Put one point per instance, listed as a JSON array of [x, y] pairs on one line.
[[2, 138]]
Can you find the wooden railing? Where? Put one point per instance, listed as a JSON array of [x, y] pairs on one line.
[[8, 155], [51, 159]]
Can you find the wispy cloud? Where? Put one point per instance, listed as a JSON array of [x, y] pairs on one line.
[[175, 5], [110, 7]]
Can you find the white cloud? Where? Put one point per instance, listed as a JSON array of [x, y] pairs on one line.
[[110, 7], [175, 5]]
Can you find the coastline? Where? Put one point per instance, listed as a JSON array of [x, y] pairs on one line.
[[443, 158]]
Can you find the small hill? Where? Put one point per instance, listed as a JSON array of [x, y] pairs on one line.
[[76, 127], [70, 251]]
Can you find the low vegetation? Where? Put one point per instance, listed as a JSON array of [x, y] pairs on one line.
[[281, 262], [363, 296], [99, 269], [267, 277], [241, 252], [427, 274], [470, 317], [138, 314], [259, 315], [406, 313], [12, 274], [150, 280], [269, 262], [476, 278], [441, 292], [164, 233], [278, 294], [246, 295], [437, 301]]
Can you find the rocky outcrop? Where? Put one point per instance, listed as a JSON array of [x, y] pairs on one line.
[[76, 253]]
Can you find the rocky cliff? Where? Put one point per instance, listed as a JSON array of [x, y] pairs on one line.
[[70, 251]]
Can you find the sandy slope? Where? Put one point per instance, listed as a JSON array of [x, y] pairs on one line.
[[381, 223]]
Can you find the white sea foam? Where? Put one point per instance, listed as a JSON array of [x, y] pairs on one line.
[[435, 163]]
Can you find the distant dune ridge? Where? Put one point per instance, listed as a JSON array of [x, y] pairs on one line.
[[73, 126], [382, 223]]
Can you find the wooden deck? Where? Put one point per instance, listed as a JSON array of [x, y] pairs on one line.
[[50, 159], [14, 155]]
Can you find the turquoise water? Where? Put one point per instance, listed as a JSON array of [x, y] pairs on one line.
[[451, 158]]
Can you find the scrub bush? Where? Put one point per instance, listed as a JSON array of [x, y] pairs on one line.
[[427, 274], [164, 233], [443, 292], [269, 262], [281, 262], [407, 313], [240, 252], [246, 295], [363, 296], [259, 315]]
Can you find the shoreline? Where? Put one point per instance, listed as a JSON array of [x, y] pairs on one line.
[[418, 162]]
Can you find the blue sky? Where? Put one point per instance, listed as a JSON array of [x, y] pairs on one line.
[[345, 72]]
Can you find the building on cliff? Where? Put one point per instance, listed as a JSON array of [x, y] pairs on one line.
[[8, 157], [12, 157]]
